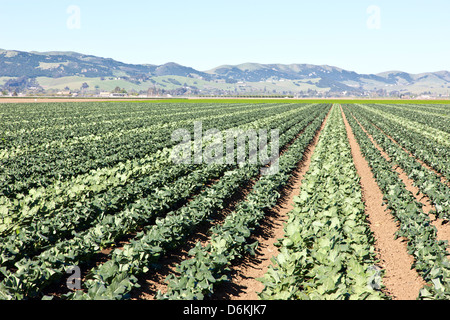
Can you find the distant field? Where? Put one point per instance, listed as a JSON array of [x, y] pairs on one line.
[[220, 100], [284, 100]]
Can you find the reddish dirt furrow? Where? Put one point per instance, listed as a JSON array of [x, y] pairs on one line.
[[400, 280]]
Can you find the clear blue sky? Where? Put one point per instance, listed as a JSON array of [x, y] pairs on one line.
[[413, 36]]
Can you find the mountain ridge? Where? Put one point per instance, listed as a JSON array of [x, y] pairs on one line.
[[65, 64]]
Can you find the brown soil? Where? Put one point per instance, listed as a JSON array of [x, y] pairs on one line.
[[400, 280]]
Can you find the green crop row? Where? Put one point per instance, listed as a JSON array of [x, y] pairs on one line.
[[431, 117], [208, 264], [430, 255], [62, 221], [113, 279], [417, 141], [424, 179], [33, 275], [327, 250], [74, 156]]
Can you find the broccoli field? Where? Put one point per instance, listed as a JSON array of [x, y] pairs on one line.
[[177, 200]]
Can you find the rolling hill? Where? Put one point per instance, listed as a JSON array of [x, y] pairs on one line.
[[25, 71]]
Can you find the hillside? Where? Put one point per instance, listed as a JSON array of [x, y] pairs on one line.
[[54, 71]]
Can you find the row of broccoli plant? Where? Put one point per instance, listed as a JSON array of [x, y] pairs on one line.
[[38, 169], [116, 278], [434, 125], [21, 210], [33, 275], [327, 251], [417, 141], [39, 234], [28, 276], [427, 181], [208, 265], [106, 194], [430, 255]]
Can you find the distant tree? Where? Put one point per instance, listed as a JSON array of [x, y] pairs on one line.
[[119, 90], [84, 86]]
